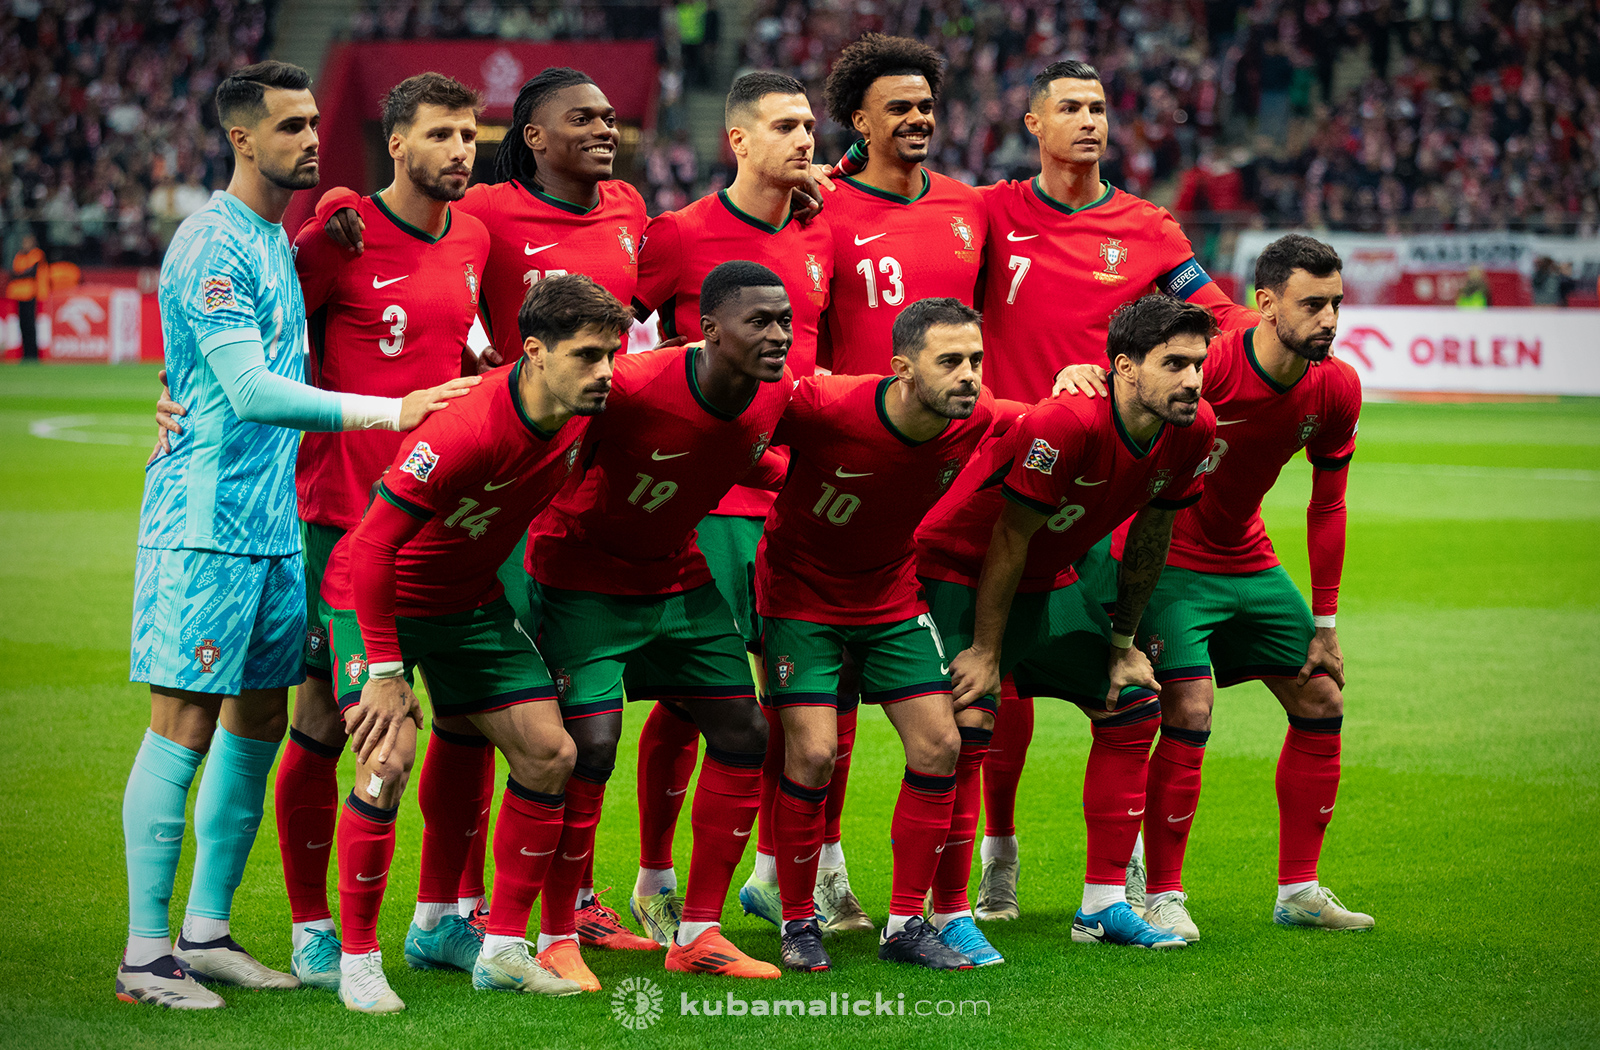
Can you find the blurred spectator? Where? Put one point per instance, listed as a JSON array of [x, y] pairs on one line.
[[1553, 282], [29, 285], [1474, 294]]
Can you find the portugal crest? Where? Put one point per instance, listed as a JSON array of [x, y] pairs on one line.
[[472, 284], [948, 472], [563, 681], [626, 240], [759, 447], [1112, 251], [355, 667], [784, 669], [316, 638], [207, 653], [814, 271], [1159, 482], [572, 459], [1309, 427], [1156, 648], [962, 231]]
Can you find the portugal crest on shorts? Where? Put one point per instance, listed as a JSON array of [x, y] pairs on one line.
[[472, 284], [948, 472], [814, 271], [1159, 482], [1156, 648], [759, 447], [1112, 251], [1309, 427], [355, 667], [963, 231], [626, 240], [207, 653], [315, 639], [784, 669], [563, 681]]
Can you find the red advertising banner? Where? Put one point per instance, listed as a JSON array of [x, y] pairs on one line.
[[92, 322]]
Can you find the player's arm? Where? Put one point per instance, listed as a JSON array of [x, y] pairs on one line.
[[337, 215], [1229, 314], [975, 672], [1087, 380], [660, 264], [1325, 539], [1143, 557], [386, 700]]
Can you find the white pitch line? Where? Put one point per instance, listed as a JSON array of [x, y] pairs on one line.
[[71, 428], [1442, 470]]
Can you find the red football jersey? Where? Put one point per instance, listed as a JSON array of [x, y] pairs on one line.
[[681, 247], [890, 251], [1054, 275], [534, 235], [839, 544], [659, 459], [1260, 427], [386, 322], [1071, 459], [478, 473]]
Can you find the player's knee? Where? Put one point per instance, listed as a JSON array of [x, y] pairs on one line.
[[736, 727], [936, 752], [810, 762], [599, 753]]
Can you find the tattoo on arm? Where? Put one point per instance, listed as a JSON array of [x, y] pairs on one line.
[[1143, 558]]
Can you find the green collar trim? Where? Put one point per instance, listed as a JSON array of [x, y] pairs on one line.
[[1038, 190], [1127, 439], [556, 202], [512, 379], [406, 227], [1266, 377], [927, 184], [701, 399], [746, 217], [880, 399]]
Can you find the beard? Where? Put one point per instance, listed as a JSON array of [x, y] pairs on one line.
[[295, 178], [910, 154], [433, 184], [1176, 410], [941, 402], [1315, 347]]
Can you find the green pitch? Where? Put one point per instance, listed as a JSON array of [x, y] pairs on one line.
[[1467, 817]]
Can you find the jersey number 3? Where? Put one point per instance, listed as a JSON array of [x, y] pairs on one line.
[[396, 316]]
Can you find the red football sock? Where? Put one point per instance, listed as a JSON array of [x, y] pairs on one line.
[[1113, 790], [955, 863], [586, 790], [472, 884], [668, 747], [798, 823], [771, 774], [366, 848], [920, 825], [306, 795], [526, 836], [447, 793], [841, 774], [1308, 787], [1172, 794], [722, 817], [1002, 770]]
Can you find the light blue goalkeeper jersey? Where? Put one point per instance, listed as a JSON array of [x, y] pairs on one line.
[[228, 485]]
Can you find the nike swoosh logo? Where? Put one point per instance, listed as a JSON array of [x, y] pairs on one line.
[[318, 845], [370, 878], [1230, 422], [1090, 484], [1012, 236], [864, 240], [1180, 820], [503, 484], [471, 833], [528, 249], [1098, 931], [813, 853], [963, 842], [526, 852], [673, 794], [1135, 813], [177, 838], [843, 473], [944, 668], [580, 856], [656, 455], [384, 284], [745, 832], [1328, 810]]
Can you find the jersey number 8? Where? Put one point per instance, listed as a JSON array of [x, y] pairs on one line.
[[1065, 518]]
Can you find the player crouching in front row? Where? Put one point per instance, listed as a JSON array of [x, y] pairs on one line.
[[415, 585]]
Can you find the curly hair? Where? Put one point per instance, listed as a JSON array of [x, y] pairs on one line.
[[877, 55]]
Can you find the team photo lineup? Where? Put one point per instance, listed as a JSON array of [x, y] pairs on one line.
[[948, 451]]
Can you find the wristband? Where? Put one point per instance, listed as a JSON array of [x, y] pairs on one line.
[[387, 669], [1121, 641], [365, 412], [1322, 621]]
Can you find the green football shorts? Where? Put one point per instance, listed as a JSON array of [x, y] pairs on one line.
[[604, 647], [318, 541], [896, 661], [1245, 626], [729, 544], [475, 661]]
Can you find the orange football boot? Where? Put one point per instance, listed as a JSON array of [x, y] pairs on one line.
[[600, 926], [565, 960], [712, 953]]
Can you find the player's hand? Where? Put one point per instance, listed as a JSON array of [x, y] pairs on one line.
[[374, 723], [1087, 380], [805, 203], [822, 175], [344, 229], [1324, 653], [973, 675], [166, 409], [475, 364], [1127, 667], [677, 340], [416, 406]]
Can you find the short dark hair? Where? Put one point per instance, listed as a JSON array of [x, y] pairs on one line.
[[1144, 324], [514, 160], [910, 333], [560, 307], [1055, 71], [425, 89], [730, 278], [751, 88], [877, 55], [1291, 252], [241, 95]]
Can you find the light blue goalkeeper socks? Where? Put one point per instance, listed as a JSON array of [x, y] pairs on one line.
[[152, 829], [227, 813]]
